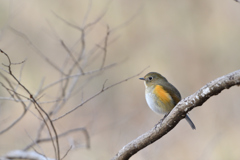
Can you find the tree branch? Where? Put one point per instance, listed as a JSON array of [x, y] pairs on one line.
[[179, 112]]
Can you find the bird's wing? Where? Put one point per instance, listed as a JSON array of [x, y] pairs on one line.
[[174, 93]]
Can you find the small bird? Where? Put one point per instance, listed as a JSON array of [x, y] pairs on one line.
[[161, 96]]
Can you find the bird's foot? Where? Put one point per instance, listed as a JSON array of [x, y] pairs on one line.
[[161, 120]]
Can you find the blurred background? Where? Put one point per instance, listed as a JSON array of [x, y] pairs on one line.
[[189, 42]]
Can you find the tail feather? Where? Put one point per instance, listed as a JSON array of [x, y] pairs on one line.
[[190, 122]]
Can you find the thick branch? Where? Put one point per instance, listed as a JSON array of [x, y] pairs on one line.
[[178, 113]]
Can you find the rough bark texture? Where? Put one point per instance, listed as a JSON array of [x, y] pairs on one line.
[[178, 113]]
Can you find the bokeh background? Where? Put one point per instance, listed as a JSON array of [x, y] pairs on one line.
[[189, 42]]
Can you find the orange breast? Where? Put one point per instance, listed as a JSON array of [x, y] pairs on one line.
[[162, 95]]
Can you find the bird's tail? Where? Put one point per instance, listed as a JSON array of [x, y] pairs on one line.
[[190, 122]]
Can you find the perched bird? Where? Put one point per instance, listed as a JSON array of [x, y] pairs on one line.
[[161, 96]]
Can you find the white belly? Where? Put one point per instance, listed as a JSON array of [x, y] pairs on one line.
[[159, 107]]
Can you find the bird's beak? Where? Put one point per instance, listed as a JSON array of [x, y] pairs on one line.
[[142, 78]]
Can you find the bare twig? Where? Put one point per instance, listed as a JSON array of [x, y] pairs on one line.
[[178, 113], [67, 152], [76, 75], [85, 132], [56, 149], [20, 73], [98, 93], [104, 48], [84, 21], [82, 29], [71, 55], [37, 106], [42, 151], [87, 12], [25, 108], [38, 51]]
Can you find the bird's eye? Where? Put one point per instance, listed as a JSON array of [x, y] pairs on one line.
[[150, 78]]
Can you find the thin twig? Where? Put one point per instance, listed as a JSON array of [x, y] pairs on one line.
[[56, 149], [25, 108], [38, 141], [38, 51], [98, 93], [104, 48], [67, 152], [71, 55], [20, 73], [36, 144], [76, 75], [82, 29], [87, 12]]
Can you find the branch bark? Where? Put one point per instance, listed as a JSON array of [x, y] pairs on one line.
[[178, 113]]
